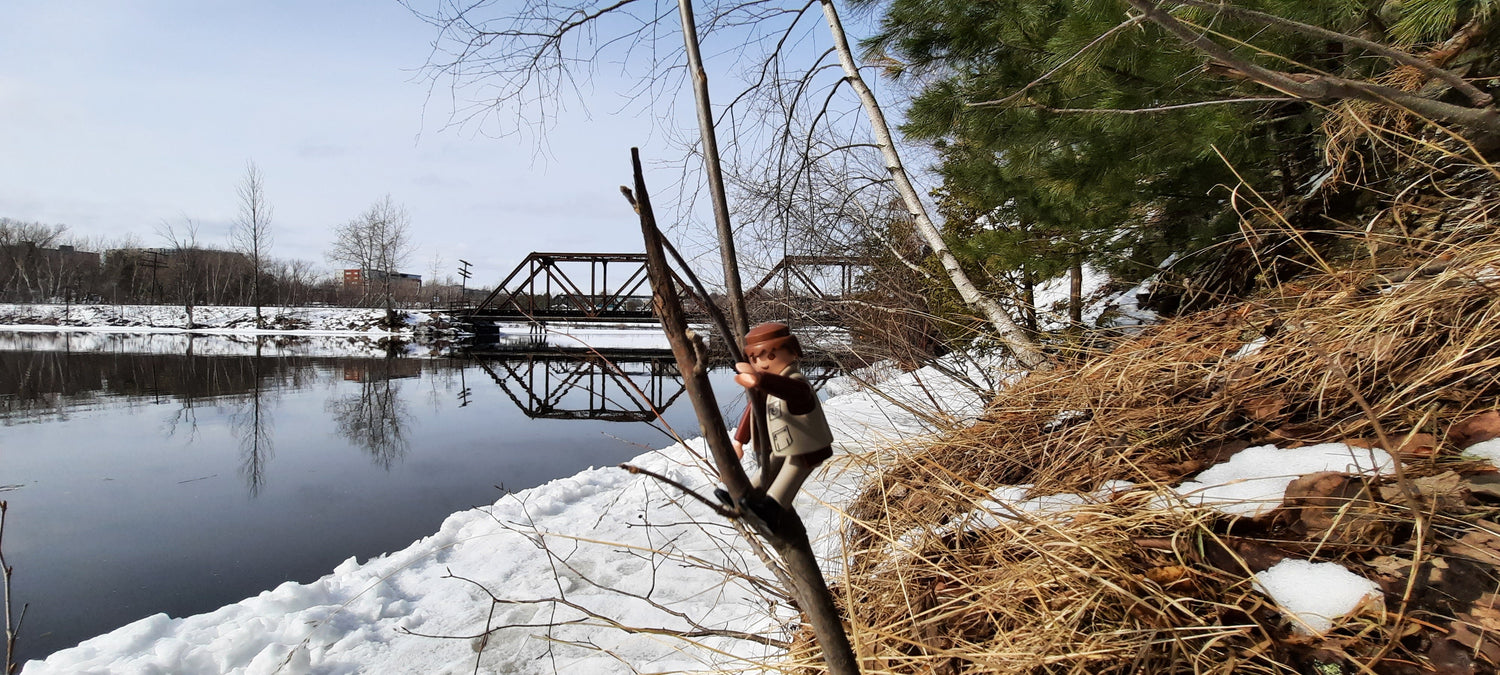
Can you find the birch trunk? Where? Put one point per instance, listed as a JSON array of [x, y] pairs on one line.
[[1012, 335]]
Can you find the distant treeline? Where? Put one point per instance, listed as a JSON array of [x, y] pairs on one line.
[[40, 263]]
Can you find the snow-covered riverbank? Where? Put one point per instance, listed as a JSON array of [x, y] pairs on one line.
[[588, 573], [583, 540], [208, 319]]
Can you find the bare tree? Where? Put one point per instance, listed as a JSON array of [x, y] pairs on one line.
[[378, 243], [20, 259], [434, 272], [186, 263], [1012, 335], [525, 58], [297, 276], [251, 235]]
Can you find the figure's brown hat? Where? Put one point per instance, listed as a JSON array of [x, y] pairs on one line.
[[769, 336]]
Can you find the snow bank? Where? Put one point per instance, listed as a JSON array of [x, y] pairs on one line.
[[207, 319], [581, 539], [1253, 482]]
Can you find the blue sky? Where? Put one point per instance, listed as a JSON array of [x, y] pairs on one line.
[[118, 116]]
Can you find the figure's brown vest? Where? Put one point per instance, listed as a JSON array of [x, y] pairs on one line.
[[796, 434]]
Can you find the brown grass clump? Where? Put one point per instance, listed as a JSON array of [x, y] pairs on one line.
[[1121, 586]]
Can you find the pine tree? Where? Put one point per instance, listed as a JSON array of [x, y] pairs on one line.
[[1035, 111]]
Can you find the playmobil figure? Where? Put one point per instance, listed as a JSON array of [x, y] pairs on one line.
[[800, 439]]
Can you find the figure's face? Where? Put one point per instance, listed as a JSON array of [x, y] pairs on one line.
[[773, 361]]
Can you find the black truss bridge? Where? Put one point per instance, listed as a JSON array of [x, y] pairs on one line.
[[613, 287], [563, 287]]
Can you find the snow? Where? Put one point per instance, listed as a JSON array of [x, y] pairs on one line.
[[1250, 347], [1487, 450], [208, 319], [1252, 482], [1313, 595], [1010, 502], [1120, 310], [573, 564]]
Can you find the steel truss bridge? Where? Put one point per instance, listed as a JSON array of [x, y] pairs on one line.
[[614, 288]]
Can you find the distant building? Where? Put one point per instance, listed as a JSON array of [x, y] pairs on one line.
[[401, 284], [62, 257]]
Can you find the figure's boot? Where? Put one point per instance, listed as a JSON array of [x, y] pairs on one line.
[[764, 508]]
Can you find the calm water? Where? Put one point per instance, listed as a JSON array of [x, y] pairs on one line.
[[181, 481]]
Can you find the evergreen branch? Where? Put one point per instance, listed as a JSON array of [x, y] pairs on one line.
[[1165, 108], [1324, 87], [1045, 76], [1478, 97]]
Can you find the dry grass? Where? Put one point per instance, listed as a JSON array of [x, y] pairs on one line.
[[1122, 587]]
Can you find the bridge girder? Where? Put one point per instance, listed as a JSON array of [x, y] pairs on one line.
[[549, 287], [542, 287]]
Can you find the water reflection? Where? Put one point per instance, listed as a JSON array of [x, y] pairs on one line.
[[593, 387], [252, 425], [53, 377], [374, 417]]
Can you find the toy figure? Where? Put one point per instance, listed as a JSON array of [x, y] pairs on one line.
[[800, 439]]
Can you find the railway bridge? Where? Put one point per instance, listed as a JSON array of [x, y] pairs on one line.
[[614, 288]]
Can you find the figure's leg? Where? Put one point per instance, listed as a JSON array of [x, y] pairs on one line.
[[788, 482], [793, 474], [768, 475]]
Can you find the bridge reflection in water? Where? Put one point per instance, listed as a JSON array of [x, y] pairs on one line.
[[592, 387], [548, 380]]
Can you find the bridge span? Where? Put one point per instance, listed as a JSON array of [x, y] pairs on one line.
[[614, 288]]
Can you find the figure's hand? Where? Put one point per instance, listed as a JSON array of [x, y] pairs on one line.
[[747, 376], [739, 449]]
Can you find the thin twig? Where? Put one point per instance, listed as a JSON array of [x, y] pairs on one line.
[[12, 630], [591, 615], [1162, 109], [717, 507]]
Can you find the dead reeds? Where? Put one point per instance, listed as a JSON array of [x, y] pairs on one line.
[[1405, 339]]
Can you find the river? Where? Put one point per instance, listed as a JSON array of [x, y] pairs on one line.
[[174, 474]]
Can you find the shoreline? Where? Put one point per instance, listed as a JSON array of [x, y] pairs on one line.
[[578, 539]]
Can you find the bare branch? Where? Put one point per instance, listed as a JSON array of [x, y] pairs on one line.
[[1162, 109], [12, 628], [591, 615], [1324, 87], [717, 507], [1476, 96]]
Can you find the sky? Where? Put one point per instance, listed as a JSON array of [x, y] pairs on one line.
[[119, 117]]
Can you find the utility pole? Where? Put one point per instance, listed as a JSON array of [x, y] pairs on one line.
[[463, 281], [153, 261]]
